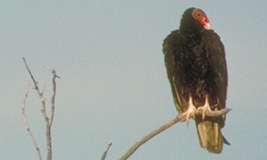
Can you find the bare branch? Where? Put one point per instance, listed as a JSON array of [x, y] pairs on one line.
[[167, 125], [27, 124], [43, 89], [49, 123], [34, 82], [106, 151], [48, 120], [38, 91], [48, 142], [216, 113], [148, 137], [53, 96]]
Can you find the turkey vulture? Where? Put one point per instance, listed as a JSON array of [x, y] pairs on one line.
[[196, 68]]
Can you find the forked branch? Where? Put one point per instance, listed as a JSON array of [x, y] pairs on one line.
[[48, 120]]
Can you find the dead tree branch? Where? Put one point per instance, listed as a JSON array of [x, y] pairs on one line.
[[106, 151], [167, 125], [48, 120], [53, 96], [28, 126]]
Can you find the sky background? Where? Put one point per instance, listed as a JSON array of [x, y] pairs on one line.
[[113, 79]]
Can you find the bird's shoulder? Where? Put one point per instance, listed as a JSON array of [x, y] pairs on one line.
[[171, 42], [213, 41]]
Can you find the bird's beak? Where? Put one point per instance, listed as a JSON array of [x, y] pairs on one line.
[[207, 26], [205, 22]]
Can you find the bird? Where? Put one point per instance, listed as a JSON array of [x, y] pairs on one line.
[[197, 71]]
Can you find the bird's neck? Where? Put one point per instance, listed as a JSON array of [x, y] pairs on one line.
[[188, 26], [190, 30]]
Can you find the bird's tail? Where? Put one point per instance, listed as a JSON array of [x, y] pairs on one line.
[[209, 134]]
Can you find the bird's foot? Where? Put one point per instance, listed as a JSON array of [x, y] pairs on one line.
[[190, 112], [204, 108]]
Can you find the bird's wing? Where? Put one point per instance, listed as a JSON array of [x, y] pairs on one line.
[[171, 52], [209, 130], [218, 62]]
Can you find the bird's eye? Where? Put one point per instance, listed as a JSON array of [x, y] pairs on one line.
[[198, 14]]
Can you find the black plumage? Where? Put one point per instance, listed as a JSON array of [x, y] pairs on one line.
[[196, 68]]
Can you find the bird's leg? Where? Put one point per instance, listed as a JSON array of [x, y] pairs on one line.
[[191, 109], [205, 107]]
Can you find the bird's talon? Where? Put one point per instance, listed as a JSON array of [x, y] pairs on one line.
[[190, 112], [204, 108]]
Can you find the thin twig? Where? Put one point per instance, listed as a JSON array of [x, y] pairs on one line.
[[43, 89], [39, 93], [106, 151], [28, 126], [53, 96], [35, 84], [167, 125]]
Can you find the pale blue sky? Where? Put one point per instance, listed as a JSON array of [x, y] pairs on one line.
[[113, 80]]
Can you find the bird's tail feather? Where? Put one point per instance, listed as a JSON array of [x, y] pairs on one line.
[[209, 134]]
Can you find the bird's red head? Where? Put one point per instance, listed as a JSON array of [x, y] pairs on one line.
[[201, 17]]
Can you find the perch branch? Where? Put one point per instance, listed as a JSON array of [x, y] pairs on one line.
[[106, 151], [28, 126], [147, 137], [167, 125]]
